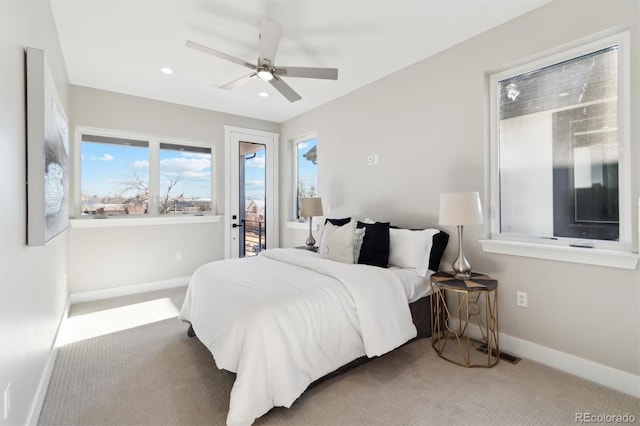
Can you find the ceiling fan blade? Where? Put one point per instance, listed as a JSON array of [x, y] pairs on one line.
[[219, 54], [269, 40], [285, 89], [235, 84], [305, 72]]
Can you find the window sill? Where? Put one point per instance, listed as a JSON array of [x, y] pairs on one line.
[[589, 256], [301, 225], [111, 222]]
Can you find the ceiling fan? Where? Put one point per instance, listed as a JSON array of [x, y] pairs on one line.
[[265, 69]]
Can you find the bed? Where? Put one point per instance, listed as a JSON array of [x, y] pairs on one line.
[[288, 317]]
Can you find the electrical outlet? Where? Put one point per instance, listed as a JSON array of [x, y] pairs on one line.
[[376, 159], [370, 160], [521, 299], [179, 256], [7, 401]]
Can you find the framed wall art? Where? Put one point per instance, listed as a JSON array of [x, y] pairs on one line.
[[47, 153]]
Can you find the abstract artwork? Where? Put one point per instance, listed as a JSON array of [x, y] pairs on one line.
[[47, 154]]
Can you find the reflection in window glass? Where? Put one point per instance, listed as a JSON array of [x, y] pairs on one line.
[[307, 170], [558, 149]]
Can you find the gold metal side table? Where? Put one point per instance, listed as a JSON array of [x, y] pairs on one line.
[[472, 310]]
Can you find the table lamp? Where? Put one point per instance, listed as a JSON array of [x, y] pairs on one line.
[[310, 207], [460, 208]]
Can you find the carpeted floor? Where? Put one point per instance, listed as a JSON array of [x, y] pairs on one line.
[[153, 374]]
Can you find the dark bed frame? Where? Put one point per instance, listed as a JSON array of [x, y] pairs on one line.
[[420, 313]]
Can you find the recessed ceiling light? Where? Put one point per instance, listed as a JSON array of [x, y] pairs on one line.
[[166, 70], [263, 94]]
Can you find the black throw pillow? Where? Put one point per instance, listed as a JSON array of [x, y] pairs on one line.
[[338, 222], [440, 241], [375, 244]]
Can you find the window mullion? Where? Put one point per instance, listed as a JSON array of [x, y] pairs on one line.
[[154, 177], [295, 180]]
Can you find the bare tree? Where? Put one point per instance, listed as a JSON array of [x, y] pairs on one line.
[[304, 192], [140, 189], [173, 181]]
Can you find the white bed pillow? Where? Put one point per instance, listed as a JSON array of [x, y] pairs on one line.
[[336, 242], [411, 249]]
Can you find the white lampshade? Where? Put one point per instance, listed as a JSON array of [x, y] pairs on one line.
[[310, 207], [460, 208]]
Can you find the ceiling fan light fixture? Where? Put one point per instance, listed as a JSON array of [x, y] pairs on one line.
[[265, 69], [265, 74]]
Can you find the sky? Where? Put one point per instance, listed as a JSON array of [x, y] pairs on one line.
[[255, 172], [307, 171], [254, 177], [106, 168]]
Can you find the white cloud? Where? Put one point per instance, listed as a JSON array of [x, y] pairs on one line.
[[257, 162], [254, 184], [185, 164], [196, 155], [189, 174], [141, 164], [103, 157], [303, 145]]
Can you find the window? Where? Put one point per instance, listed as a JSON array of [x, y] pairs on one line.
[[119, 177], [306, 170], [185, 179], [559, 130]]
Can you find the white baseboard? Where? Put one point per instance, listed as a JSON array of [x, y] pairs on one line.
[[599, 373], [584, 368], [88, 296], [43, 384]]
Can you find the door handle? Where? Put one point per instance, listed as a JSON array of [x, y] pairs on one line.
[[236, 225]]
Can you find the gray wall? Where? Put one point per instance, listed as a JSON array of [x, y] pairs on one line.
[[428, 124], [104, 258], [33, 291]]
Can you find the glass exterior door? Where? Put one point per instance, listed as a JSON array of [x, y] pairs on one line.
[[252, 198], [251, 191]]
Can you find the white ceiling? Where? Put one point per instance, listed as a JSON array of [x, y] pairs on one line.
[[120, 45]]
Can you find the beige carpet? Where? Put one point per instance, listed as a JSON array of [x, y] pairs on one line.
[[154, 374]]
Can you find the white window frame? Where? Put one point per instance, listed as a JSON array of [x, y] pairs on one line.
[[294, 145], [154, 216], [605, 253]]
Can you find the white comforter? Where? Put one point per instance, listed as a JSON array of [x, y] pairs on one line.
[[287, 317]]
